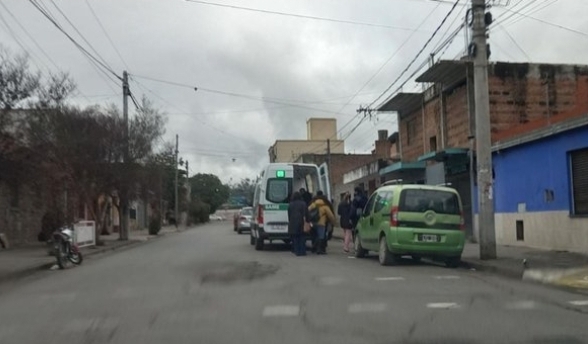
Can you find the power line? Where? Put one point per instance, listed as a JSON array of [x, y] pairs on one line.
[[300, 15], [418, 54], [81, 35], [515, 42], [233, 94], [79, 46], [29, 35], [378, 72], [191, 117], [559, 26], [106, 34]]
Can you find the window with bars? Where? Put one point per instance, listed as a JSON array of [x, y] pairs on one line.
[[579, 182]]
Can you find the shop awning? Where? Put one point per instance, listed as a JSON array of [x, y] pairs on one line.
[[403, 166], [444, 155]]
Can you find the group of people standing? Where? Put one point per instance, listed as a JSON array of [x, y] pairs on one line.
[[315, 216]]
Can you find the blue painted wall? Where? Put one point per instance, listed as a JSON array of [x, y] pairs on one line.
[[524, 172]]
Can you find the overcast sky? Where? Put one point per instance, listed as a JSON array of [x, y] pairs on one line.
[[261, 75]]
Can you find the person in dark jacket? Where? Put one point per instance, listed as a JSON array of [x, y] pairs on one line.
[[306, 196], [344, 212], [297, 217], [357, 205]]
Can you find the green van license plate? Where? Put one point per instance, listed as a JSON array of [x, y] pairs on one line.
[[429, 238]]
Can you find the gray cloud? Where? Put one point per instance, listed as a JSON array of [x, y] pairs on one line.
[[315, 65]]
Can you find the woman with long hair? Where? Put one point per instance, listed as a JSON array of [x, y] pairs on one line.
[[344, 212]]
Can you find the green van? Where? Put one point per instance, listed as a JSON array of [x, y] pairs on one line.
[[412, 220]]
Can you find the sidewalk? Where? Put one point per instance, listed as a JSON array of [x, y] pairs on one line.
[[22, 261], [559, 268]]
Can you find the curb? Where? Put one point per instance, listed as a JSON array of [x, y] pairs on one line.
[[25, 272], [507, 272]]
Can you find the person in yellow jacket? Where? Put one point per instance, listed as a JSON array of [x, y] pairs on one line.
[[325, 216]]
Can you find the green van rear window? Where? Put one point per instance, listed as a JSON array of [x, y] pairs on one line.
[[421, 200], [279, 190]]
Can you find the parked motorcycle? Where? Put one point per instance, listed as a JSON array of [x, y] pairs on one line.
[[64, 247]]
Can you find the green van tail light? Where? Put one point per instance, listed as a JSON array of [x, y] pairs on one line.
[[280, 174], [394, 216], [462, 226]]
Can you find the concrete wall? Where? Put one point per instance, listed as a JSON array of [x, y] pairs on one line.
[[321, 129], [291, 150]]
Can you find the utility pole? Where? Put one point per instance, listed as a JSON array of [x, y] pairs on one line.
[[329, 153], [479, 50], [176, 187], [124, 229]]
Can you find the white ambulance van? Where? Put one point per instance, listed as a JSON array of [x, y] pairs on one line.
[[272, 195]]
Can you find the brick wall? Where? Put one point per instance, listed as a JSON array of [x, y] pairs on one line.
[[520, 94], [457, 123], [411, 144], [431, 127]]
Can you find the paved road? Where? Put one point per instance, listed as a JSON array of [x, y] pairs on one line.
[[208, 285]]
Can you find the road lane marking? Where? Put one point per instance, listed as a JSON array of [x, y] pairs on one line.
[[446, 277], [367, 308], [281, 311], [522, 305], [351, 257], [579, 303], [443, 305], [382, 279]]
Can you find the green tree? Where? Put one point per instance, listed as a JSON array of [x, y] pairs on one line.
[[209, 189], [245, 188]]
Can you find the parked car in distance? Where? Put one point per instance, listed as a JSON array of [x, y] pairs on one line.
[[412, 220], [244, 217], [215, 217]]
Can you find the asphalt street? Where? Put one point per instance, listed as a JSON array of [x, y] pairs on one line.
[[208, 285]]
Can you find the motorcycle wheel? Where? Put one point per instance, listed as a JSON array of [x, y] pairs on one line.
[[75, 257]]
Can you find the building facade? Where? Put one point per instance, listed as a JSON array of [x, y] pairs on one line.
[[321, 137], [437, 126], [541, 187]]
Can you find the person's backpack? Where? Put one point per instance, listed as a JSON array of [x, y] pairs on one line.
[[314, 215]]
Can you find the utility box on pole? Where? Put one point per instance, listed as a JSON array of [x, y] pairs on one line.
[[478, 50]]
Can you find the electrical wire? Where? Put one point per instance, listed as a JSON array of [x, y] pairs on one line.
[[418, 54], [106, 34], [233, 94], [81, 35], [515, 42], [78, 45], [299, 15], [559, 26], [29, 35]]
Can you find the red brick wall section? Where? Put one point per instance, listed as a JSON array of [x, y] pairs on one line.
[[457, 124], [532, 94], [410, 152], [432, 128]]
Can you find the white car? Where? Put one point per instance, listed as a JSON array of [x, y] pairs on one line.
[[215, 217]]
